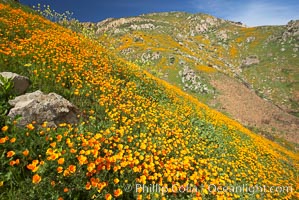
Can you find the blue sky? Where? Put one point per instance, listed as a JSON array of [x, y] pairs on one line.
[[250, 12]]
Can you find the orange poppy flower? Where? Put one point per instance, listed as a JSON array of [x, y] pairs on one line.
[[4, 128], [26, 152], [36, 179], [60, 161], [10, 154], [108, 196], [72, 168], [118, 192]]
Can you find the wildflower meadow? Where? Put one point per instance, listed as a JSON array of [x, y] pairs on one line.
[[134, 129]]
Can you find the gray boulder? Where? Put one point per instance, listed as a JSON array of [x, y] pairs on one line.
[[40, 107], [21, 83]]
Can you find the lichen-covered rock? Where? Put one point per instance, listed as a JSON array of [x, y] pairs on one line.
[[40, 107], [21, 83]]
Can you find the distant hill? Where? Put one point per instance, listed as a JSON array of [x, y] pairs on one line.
[[214, 60]]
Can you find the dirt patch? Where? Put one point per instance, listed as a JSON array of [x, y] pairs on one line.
[[249, 109]]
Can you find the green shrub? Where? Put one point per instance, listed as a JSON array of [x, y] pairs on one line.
[[6, 93]]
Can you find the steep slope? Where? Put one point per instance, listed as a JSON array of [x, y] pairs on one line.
[[253, 110], [190, 50], [134, 129]]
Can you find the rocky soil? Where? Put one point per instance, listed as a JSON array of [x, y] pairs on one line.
[[251, 110]]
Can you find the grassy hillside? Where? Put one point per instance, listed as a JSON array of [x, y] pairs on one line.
[[264, 59], [206, 44], [134, 129]]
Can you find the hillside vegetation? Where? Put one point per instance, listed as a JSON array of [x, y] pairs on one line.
[[192, 51], [208, 44], [134, 128]]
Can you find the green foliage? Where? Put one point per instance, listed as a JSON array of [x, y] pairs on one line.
[[19, 179], [6, 88], [6, 93], [52, 15], [65, 19]]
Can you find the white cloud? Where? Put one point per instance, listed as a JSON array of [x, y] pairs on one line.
[[251, 12], [263, 13]]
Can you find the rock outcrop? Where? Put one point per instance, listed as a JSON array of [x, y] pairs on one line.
[[206, 24], [222, 35], [250, 60], [191, 81], [150, 56], [142, 26], [21, 83], [115, 23], [292, 30], [40, 107]]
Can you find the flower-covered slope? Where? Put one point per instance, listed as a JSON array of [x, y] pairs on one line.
[[134, 129], [196, 51]]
